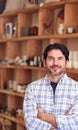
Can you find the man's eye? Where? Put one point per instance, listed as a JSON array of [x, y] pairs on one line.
[[50, 58], [60, 58]]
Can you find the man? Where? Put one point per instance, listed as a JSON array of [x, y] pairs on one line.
[[52, 102]]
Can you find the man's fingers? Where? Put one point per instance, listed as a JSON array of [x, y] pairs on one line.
[[67, 113]]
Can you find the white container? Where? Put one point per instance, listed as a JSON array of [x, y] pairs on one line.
[[60, 29], [19, 88], [9, 30], [70, 30]]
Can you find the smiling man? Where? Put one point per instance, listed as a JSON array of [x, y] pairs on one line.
[[52, 102]]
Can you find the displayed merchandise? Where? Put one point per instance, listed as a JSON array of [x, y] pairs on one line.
[[30, 3]]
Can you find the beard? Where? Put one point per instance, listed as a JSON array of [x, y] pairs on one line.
[[56, 70]]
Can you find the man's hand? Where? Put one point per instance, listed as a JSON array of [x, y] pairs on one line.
[[49, 118], [41, 113], [67, 113]]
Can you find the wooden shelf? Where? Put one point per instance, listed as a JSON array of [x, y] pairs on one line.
[[11, 92], [73, 71], [72, 1], [42, 37], [32, 68], [54, 4], [13, 119], [13, 13], [32, 9], [22, 67]]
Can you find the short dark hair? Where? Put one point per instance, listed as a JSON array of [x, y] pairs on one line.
[[59, 46]]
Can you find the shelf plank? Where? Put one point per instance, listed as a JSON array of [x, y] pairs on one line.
[[72, 1], [13, 119], [22, 67], [73, 71], [33, 68], [10, 92], [33, 9], [54, 4], [42, 37]]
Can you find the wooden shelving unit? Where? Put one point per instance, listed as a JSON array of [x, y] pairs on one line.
[[16, 120], [33, 45]]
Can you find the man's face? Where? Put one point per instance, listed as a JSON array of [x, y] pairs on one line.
[[55, 62]]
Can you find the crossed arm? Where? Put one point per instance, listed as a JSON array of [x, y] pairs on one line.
[[50, 118]]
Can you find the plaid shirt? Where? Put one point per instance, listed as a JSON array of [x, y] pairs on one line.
[[40, 93]]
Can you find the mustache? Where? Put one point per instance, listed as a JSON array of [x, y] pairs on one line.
[[55, 66]]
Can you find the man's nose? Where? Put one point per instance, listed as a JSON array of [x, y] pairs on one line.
[[55, 61]]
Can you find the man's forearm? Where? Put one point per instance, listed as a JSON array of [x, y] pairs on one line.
[[50, 118]]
